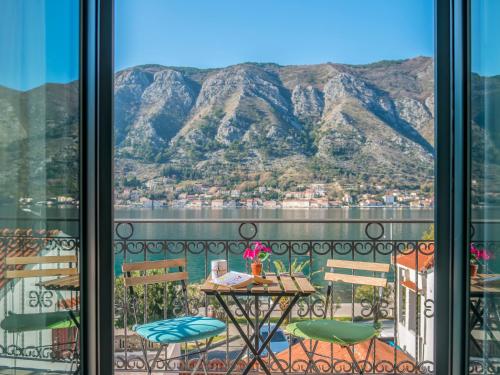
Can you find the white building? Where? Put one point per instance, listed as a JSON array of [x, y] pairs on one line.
[[296, 203], [415, 335], [389, 199], [217, 203]]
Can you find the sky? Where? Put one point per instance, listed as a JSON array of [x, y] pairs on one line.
[[216, 33], [39, 38], [38, 42]]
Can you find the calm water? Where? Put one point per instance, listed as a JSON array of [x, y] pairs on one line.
[[267, 231]]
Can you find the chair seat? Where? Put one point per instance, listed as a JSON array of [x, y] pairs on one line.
[[185, 329], [334, 331], [37, 321]]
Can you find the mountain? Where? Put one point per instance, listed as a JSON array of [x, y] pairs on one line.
[[39, 145], [300, 124], [251, 123]]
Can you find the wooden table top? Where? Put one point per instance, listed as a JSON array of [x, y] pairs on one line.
[[478, 288], [283, 284], [62, 283]]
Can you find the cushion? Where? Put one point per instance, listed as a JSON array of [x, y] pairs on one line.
[[334, 331], [189, 328], [38, 321]]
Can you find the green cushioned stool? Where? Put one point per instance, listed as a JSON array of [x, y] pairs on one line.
[[334, 331], [345, 334], [169, 331]]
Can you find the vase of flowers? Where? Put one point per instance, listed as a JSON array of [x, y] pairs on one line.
[[257, 253], [477, 257]]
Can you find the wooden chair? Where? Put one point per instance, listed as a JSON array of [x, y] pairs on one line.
[[63, 275], [169, 331], [345, 334], [17, 262]]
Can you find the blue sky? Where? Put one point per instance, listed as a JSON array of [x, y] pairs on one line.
[[39, 38], [215, 33], [38, 42]]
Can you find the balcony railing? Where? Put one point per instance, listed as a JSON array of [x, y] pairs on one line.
[[406, 313]]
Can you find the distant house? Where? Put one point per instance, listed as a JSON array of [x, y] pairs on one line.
[[320, 203], [335, 203], [195, 203], [415, 273], [64, 199], [270, 204], [217, 203], [146, 202], [251, 203], [389, 199], [347, 198], [417, 203], [296, 203], [370, 203]]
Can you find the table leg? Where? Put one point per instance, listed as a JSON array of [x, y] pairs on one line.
[[245, 339], [262, 322], [278, 324], [256, 326]]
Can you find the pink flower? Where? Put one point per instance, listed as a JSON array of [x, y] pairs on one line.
[[249, 254], [484, 255], [255, 252], [474, 250], [477, 254], [259, 246]]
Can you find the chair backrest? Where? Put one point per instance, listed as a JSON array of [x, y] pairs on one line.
[[357, 266], [157, 265], [374, 281], [66, 266], [131, 279]]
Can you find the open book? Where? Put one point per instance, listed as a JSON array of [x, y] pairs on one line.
[[235, 280]]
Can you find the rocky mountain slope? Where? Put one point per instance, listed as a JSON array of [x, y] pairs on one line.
[[320, 120], [266, 123]]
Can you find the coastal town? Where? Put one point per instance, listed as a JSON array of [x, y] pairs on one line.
[[159, 193]]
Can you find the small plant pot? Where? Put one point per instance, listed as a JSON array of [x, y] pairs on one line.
[[473, 270], [256, 269]]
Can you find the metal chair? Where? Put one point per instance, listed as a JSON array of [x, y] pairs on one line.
[[169, 331], [345, 334], [65, 269]]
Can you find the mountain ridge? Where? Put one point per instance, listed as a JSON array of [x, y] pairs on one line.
[[273, 124], [255, 117]]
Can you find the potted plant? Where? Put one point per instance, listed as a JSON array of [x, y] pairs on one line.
[[476, 257], [257, 253]]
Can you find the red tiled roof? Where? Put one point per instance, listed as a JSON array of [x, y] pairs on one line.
[[424, 256], [409, 284], [384, 357], [20, 242]]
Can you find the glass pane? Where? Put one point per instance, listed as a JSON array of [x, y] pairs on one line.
[[305, 125], [485, 178], [39, 189]]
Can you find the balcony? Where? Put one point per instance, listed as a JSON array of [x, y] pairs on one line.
[[405, 316]]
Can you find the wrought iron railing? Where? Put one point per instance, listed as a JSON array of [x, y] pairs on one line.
[[23, 299], [378, 241], [406, 314]]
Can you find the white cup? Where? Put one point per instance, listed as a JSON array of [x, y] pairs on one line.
[[218, 268]]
